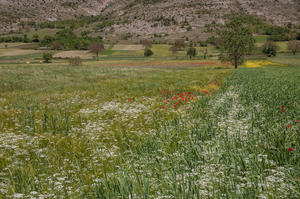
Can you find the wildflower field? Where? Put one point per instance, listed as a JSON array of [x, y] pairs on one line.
[[200, 130]]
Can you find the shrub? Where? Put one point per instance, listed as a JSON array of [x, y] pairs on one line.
[[191, 52], [148, 52], [270, 48], [75, 61], [47, 56]]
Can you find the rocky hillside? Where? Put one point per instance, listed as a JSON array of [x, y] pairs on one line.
[[12, 12], [145, 17]]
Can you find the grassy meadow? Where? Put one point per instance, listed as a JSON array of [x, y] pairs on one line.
[[134, 127]]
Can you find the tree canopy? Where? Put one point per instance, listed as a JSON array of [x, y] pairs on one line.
[[96, 48], [236, 42]]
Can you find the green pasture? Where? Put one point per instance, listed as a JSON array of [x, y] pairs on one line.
[[260, 39], [134, 127]]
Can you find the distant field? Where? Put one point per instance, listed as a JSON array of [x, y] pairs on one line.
[[19, 52], [261, 38], [83, 54], [127, 47]]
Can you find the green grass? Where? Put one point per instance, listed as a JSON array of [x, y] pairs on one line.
[[108, 52], [115, 132], [9, 45], [261, 39]]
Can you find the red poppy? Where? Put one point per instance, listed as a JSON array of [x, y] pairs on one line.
[[282, 107], [289, 126], [159, 92], [283, 110], [165, 101], [290, 149], [129, 100], [190, 108], [175, 106], [177, 103], [163, 107], [133, 98], [296, 120]]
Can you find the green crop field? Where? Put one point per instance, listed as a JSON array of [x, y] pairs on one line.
[[144, 130], [165, 126]]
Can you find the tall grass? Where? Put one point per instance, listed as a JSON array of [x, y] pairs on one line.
[[96, 132]]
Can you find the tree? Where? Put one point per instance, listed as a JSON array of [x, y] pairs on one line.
[[191, 52], [204, 51], [6, 46], [173, 49], [146, 43], [27, 28], [25, 38], [269, 48], [47, 56], [56, 45], [80, 46], [96, 48], [293, 46], [148, 52], [179, 43], [36, 37], [236, 41]]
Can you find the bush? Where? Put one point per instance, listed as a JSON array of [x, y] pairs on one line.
[[75, 61], [191, 52], [148, 52], [270, 48], [47, 56]]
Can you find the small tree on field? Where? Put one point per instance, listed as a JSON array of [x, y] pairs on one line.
[[179, 43], [146, 43], [27, 28], [56, 45], [269, 48], [96, 48], [36, 37], [204, 51], [236, 42], [293, 46], [6, 46], [80, 46], [173, 49], [75, 61], [47, 56], [191, 52], [148, 52]]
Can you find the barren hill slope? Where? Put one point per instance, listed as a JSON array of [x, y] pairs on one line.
[[148, 16]]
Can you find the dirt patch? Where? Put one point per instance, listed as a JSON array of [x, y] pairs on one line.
[[83, 54], [26, 46], [12, 61], [19, 52]]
